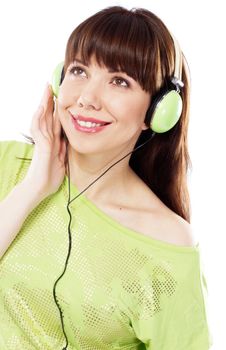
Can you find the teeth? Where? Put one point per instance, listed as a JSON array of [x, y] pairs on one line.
[[87, 124]]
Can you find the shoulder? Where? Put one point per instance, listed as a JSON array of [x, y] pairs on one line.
[[12, 168], [164, 224], [169, 227], [10, 147], [182, 231], [153, 218]]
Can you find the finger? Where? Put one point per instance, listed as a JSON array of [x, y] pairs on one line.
[[49, 111], [39, 125], [56, 121], [62, 152], [34, 128], [45, 96], [46, 121]]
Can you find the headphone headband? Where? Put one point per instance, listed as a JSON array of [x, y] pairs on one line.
[[177, 78]]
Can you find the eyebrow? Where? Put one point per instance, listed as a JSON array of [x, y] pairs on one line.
[[109, 70]]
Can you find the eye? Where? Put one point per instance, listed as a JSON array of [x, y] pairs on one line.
[[120, 80], [76, 69]]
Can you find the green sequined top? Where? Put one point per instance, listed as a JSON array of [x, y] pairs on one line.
[[121, 289]]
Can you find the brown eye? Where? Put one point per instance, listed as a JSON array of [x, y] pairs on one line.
[[121, 80], [76, 69]]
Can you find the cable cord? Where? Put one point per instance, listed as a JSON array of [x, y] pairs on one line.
[[69, 230]]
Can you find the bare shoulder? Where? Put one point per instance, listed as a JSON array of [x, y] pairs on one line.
[[161, 223], [182, 231], [145, 213], [167, 226]]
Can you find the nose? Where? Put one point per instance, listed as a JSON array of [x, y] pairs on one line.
[[90, 96]]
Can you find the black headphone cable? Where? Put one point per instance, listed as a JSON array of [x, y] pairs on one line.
[[69, 231]]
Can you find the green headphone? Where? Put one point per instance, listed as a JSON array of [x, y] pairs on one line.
[[165, 110]]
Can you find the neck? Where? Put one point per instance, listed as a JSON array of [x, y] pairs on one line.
[[84, 169]]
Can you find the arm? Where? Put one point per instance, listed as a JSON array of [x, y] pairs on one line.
[[44, 176], [14, 209]]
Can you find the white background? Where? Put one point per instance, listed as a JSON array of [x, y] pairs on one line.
[[33, 36]]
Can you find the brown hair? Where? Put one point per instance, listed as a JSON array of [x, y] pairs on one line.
[[137, 42]]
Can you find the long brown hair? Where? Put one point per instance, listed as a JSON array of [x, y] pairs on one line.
[[137, 42]]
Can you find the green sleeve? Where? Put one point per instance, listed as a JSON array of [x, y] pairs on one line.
[[188, 326], [5, 162], [12, 169], [167, 319]]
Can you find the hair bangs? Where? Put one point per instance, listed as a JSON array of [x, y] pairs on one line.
[[119, 42]]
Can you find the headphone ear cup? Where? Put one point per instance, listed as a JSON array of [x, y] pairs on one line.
[[166, 111], [57, 78]]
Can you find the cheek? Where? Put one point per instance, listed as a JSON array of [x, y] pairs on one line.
[[130, 109], [121, 106], [65, 96], [117, 107]]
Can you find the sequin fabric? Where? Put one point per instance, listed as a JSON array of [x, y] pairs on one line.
[[121, 289]]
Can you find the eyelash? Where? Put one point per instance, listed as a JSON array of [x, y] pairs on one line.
[[71, 70]]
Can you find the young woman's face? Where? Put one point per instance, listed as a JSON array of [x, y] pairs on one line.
[[92, 92]]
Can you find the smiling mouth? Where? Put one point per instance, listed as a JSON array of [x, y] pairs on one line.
[[82, 120], [89, 124], [88, 127]]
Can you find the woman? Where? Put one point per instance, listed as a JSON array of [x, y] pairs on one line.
[[127, 273]]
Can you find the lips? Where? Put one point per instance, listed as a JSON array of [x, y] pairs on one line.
[[88, 129], [89, 119]]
